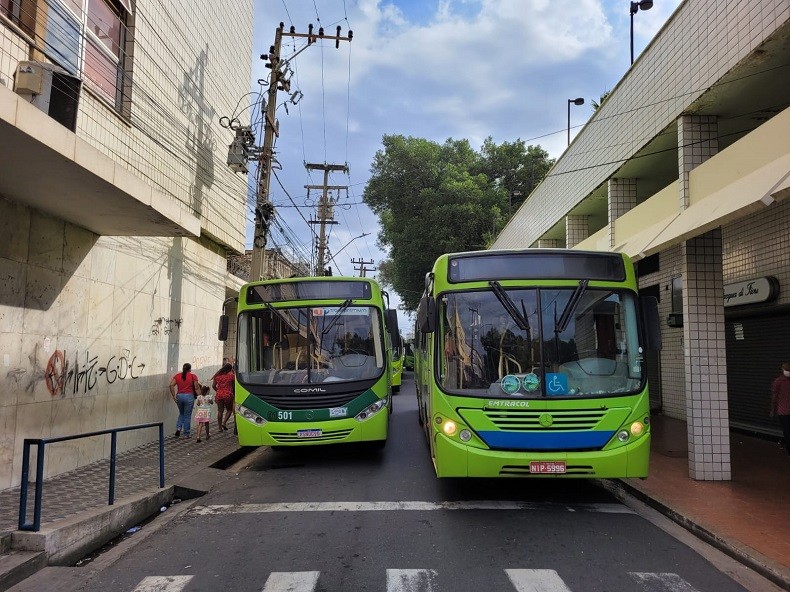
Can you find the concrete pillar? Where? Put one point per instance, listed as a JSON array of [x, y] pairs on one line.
[[622, 198], [704, 350], [577, 228], [705, 356], [697, 142], [549, 243]]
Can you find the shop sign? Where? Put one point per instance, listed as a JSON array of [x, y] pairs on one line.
[[755, 291]]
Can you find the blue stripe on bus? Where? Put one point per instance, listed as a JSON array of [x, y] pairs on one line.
[[546, 440]]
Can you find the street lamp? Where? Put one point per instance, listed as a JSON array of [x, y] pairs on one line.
[[332, 257], [635, 7], [579, 101]]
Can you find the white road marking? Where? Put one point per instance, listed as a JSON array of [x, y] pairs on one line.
[[657, 582], [402, 506], [536, 580], [292, 581], [410, 580], [163, 584]]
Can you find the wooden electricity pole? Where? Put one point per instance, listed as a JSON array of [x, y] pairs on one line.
[[363, 269], [325, 210], [264, 210]]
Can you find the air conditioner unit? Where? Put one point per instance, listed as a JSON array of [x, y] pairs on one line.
[[51, 89]]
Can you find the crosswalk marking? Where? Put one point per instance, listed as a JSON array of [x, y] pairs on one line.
[[536, 580], [410, 580], [163, 584], [662, 582], [403, 506], [291, 581], [426, 580]]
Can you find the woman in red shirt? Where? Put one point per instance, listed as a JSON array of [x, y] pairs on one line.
[[183, 388], [223, 382], [780, 401]]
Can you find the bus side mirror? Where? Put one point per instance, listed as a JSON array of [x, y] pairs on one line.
[[651, 323], [222, 334], [426, 315], [391, 320]]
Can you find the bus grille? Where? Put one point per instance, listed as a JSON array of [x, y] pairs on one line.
[[309, 401], [521, 470], [519, 420], [327, 436]]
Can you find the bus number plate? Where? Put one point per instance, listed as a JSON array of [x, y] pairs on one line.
[[551, 467], [309, 433]]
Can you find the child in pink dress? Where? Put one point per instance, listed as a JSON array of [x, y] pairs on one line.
[[203, 405]]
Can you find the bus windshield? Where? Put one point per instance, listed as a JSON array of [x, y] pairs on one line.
[[540, 342], [310, 344]]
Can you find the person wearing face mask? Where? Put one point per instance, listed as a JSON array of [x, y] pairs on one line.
[[780, 401]]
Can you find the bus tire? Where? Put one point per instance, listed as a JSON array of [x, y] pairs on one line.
[[395, 389]]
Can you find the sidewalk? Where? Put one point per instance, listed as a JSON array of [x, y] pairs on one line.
[[747, 517]]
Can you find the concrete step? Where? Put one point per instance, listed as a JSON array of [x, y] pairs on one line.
[[15, 566]]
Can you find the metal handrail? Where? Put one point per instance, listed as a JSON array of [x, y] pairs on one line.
[[40, 443]]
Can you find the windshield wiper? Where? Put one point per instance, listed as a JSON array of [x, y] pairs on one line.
[[333, 322], [573, 302], [510, 306], [282, 315]]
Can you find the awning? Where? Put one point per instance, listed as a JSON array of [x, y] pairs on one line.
[[750, 193]]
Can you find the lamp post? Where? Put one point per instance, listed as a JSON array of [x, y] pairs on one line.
[[579, 101], [636, 7], [348, 243]]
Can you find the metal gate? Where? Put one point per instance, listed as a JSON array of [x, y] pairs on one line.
[[756, 344]]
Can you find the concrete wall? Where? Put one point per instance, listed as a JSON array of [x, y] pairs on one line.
[[92, 328], [91, 331]]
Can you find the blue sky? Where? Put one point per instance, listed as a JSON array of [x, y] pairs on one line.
[[434, 69]]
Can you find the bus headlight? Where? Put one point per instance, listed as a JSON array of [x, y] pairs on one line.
[[371, 410], [465, 435], [623, 435], [637, 428], [250, 415], [449, 427]]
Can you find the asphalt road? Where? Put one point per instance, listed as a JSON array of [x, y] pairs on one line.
[[341, 518]]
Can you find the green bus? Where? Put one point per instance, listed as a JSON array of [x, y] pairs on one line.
[[313, 362], [531, 363], [397, 363]]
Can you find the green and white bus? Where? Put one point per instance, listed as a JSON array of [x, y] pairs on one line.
[[531, 363], [313, 362]]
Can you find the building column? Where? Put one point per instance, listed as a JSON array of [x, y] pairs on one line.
[[577, 229], [622, 198], [704, 350], [549, 243]]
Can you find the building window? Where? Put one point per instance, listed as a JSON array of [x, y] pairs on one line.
[[20, 12], [87, 38]]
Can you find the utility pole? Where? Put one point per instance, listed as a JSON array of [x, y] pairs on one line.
[[264, 210], [362, 269], [325, 210]]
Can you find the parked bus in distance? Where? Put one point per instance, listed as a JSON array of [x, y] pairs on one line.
[[313, 362], [397, 363], [531, 363]]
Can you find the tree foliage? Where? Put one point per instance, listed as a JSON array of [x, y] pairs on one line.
[[436, 198]]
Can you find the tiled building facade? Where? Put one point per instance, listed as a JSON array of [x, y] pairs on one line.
[[116, 228], [686, 168]]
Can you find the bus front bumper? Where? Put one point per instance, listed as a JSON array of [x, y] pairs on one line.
[[338, 431], [458, 460]]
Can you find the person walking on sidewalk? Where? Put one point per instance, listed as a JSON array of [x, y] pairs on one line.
[[184, 387], [204, 403], [780, 401], [224, 384]]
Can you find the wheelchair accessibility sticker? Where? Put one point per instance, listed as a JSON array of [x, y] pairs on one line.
[[556, 384]]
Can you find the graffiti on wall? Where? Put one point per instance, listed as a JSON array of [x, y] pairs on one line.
[[63, 374], [165, 326]]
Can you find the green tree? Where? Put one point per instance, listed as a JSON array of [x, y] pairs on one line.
[[436, 198]]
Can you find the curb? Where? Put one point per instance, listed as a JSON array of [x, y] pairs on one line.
[[752, 559]]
